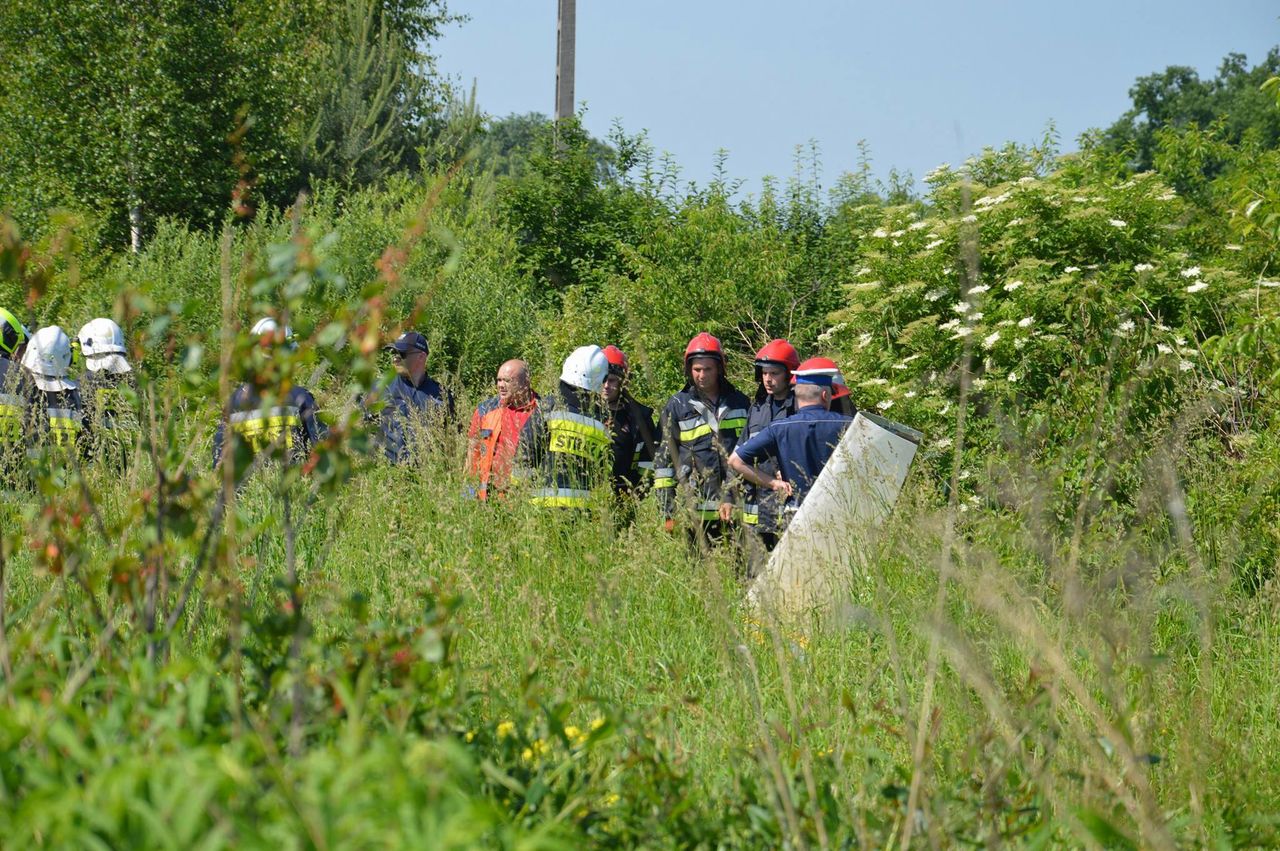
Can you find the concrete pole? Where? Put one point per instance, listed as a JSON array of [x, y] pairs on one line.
[[566, 32]]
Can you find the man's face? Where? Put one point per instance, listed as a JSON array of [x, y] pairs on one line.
[[612, 388], [412, 363], [705, 373], [775, 380], [513, 385]]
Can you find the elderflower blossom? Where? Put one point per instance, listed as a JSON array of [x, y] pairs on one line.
[[976, 317], [1193, 272], [1012, 285], [875, 382], [980, 288], [948, 325], [969, 219], [1185, 366], [1013, 378], [1118, 223], [978, 383], [1197, 287], [943, 443], [1071, 270], [1127, 326], [1026, 321], [990, 339], [917, 225], [885, 405], [934, 295], [937, 172], [880, 233], [1163, 349], [1013, 223], [1019, 342], [1025, 179], [1168, 195], [934, 244], [962, 332], [1143, 267], [864, 340], [961, 307], [910, 394], [898, 233], [1269, 284]]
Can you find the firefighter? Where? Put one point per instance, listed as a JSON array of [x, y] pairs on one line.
[[774, 401], [494, 435], [55, 416], [109, 391], [15, 394], [700, 426], [631, 428], [410, 399], [266, 417], [801, 444], [565, 445]]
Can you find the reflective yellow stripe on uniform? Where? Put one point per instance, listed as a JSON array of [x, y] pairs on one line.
[[560, 497], [751, 514], [664, 477], [575, 434], [11, 409], [64, 425], [265, 427]]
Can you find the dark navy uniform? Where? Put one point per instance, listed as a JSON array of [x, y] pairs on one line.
[[801, 445], [110, 413], [406, 403], [292, 427], [762, 509], [566, 450], [635, 438], [695, 448]]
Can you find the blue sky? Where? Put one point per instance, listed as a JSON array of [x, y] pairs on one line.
[[922, 82]]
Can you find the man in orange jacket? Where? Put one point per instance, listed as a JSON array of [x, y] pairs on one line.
[[495, 429]]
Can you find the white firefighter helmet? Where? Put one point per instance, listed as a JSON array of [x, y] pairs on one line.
[[102, 344], [47, 358], [586, 368], [266, 325]]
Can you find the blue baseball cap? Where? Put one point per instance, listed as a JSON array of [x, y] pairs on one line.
[[409, 341]]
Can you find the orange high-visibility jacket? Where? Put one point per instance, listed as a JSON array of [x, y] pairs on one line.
[[492, 440]]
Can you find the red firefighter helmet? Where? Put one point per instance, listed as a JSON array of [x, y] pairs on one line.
[[779, 352], [703, 346], [617, 361]]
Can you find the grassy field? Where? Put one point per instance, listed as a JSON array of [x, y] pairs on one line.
[[566, 682]]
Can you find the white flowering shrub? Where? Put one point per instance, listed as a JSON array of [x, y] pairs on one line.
[[1052, 283]]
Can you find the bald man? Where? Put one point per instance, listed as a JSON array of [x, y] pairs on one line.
[[495, 430]]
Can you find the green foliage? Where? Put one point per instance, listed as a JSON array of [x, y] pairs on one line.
[[161, 109], [1177, 99]]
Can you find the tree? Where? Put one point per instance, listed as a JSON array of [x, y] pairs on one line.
[[1177, 98], [156, 108]]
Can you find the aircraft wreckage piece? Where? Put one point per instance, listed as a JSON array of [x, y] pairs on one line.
[[815, 561]]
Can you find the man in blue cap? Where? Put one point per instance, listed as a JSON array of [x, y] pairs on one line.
[[411, 397], [800, 444]]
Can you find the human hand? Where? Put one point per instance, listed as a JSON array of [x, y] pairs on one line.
[[782, 486], [726, 511]]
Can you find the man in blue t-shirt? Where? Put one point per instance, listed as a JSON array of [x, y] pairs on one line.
[[800, 444]]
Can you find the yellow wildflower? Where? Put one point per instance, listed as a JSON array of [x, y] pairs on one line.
[[506, 728]]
